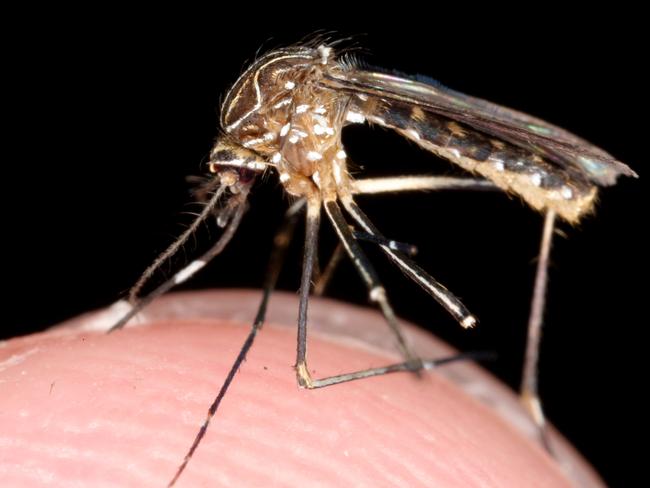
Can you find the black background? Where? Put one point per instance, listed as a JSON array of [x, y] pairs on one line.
[[109, 111]]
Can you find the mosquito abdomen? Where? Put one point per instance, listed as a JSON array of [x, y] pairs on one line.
[[541, 184]]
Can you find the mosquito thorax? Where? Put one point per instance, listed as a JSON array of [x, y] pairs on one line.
[[279, 109]]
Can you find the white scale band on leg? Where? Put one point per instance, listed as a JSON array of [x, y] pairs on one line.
[[188, 271]]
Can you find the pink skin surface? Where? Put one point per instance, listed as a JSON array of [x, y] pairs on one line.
[[82, 408]]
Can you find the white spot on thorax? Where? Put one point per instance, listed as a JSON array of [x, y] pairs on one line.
[[320, 110], [302, 108], [355, 117], [316, 178], [323, 129], [282, 103], [284, 177], [276, 158], [325, 53], [267, 137], [314, 156], [341, 154], [338, 173], [285, 129], [296, 135], [536, 179], [289, 85]]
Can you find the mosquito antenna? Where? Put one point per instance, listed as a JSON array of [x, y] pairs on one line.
[[175, 246], [280, 243], [189, 270]]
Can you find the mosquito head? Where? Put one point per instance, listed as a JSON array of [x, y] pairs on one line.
[[235, 165]]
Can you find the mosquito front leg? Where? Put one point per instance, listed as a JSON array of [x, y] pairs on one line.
[[280, 245], [529, 392], [192, 268], [176, 245]]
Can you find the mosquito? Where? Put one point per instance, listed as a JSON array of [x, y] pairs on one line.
[[285, 115]]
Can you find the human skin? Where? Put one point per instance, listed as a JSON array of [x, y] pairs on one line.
[[83, 408]]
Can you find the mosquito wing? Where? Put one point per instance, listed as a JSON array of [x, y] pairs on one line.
[[578, 157]]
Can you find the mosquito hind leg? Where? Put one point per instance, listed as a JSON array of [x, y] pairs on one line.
[[398, 184], [529, 387], [412, 364], [447, 299], [322, 279], [376, 291]]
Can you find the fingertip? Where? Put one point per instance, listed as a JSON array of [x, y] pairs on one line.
[[122, 409]]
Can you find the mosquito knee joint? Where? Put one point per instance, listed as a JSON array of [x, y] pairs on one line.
[[304, 378], [377, 294]]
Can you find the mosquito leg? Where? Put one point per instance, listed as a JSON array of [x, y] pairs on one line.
[[189, 270], [345, 234], [529, 391], [176, 245], [447, 299], [311, 243], [409, 249], [326, 276], [394, 184], [371, 186], [376, 290], [413, 366], [280, 243]]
